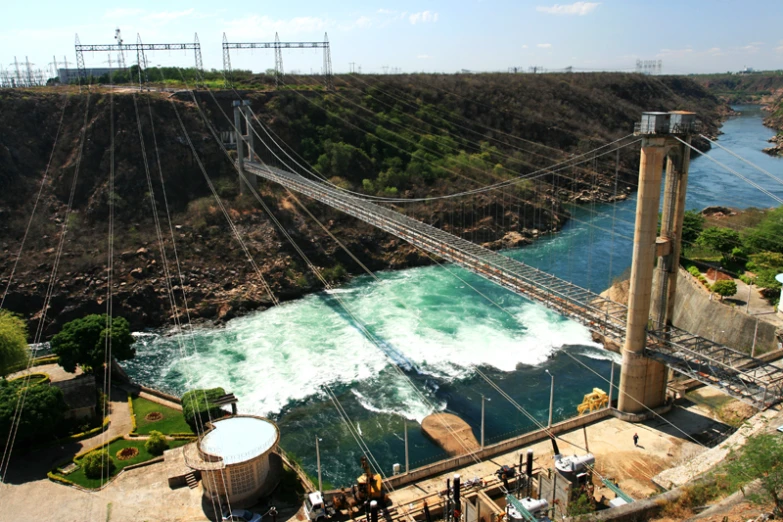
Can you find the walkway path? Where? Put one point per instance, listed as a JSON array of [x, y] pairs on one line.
[[54, 371]]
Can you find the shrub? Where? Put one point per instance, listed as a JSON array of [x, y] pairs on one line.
[[198, 408], [694, 271], [725, 288], [98, 463], [157, 443]]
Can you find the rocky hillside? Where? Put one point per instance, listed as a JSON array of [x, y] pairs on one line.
[[394, 136]]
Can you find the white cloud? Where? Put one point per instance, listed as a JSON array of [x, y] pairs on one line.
[[524, 46], [363, 22], [423, 17], [167, 16], [423, 56], [750, 48], [779, 49], [264, 27], [668, 53], [122, 12], [386, 11], [577, 8], [544, 46]]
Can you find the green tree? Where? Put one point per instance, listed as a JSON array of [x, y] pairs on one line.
[[198, 407], [760, 458], [692, 225], [82, 342], [722, 240], [97, 464], [13, 342], [725, 288], [156, 443], [44, 411], [767, 235]]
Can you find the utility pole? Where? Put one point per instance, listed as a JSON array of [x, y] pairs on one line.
[[385, 69], [318, 461], [351, 67], [482, 422], [405, 429], [551, 397]]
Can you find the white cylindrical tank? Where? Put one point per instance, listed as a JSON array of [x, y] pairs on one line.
[[574, 464]]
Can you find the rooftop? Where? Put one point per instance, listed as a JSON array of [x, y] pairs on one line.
[[240, 438]]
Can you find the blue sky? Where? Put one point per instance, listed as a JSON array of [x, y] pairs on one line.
[[417, 35]]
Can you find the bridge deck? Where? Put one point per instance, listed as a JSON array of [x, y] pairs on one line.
[[735, 373]]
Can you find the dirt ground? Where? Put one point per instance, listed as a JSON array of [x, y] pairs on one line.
[[143, 494]]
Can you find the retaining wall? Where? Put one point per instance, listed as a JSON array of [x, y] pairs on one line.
[[500, 448], [696, 313]]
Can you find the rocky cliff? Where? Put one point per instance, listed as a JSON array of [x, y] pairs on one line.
[[493, 121]]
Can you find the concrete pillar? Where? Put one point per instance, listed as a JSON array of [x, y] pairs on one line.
[[670, 240], [641, 378], [251, 144], [240, 146]]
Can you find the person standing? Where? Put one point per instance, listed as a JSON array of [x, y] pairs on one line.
[[635, 439]]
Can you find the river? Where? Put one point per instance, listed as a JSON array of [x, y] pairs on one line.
[[439, 330]]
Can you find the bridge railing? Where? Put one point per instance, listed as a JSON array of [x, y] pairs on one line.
[[739, 375]]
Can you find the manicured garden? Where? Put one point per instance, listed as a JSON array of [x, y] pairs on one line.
[[153, 416], [115, 449]]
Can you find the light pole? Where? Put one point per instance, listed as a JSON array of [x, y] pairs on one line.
[[551, 397], [318, 461]]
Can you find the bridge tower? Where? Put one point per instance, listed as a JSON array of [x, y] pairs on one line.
[[245, 143], [653, 285]]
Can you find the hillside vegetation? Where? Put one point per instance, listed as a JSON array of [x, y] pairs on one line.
[[388, 135]]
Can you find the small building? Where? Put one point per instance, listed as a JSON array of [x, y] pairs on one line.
[[80, 395], [236, 458]]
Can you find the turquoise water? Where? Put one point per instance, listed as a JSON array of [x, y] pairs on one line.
[[432, 332]]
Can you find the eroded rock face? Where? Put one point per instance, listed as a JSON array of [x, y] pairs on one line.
[[211, 269]]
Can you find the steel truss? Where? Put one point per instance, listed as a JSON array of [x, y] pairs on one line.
[[278, 46], [139, 48], [739, 375]]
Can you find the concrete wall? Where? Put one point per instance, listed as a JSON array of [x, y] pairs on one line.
[[694, 312], [496, 449]]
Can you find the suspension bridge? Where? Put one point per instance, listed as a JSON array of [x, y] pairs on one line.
[[733, 372]]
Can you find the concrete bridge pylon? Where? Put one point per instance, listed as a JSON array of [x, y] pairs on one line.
[[653, 284]]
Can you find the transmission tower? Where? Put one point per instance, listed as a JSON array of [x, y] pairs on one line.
[[141, 59], [328, 64], [197, 55], [278, 62], [120, 52]]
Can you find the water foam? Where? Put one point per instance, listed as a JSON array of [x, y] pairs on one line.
[[423, 321]]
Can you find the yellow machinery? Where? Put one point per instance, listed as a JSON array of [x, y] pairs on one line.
[[370, 485], [593, 401]]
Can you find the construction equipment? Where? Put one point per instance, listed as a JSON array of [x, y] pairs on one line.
[[315, 509], [593, 401], [369, 485]]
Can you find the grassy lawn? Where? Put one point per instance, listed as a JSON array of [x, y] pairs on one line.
[[78, 476], [172, 422]]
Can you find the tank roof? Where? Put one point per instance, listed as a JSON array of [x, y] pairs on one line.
[[240, 438]]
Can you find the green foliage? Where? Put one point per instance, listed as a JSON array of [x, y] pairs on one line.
[[694, 271], [692, 226], [157, 443], [766, 265], [580, 506], [97, 464], [44, 410], [722, 240], [344, 160], [82, 342], [173, 421], [760, 458], [335, 273], [198, 408], [767, 235], [13, 342], [725, 287]]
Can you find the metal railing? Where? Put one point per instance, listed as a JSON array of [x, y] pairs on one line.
[[735, 373]]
